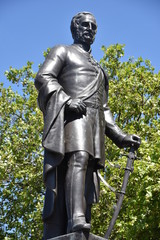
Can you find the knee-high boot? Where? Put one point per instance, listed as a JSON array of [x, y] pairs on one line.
[[75, 191]]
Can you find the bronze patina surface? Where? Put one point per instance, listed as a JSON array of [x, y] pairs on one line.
[[73, 93]]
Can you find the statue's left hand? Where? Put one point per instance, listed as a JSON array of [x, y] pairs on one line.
[[131, 140]]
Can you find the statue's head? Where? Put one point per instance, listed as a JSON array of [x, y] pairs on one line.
[[84, 28]]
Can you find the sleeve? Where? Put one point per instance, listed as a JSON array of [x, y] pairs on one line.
[[46, 81], [111, 129]]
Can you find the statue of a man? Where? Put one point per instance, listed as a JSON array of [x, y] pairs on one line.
[[73, 91]]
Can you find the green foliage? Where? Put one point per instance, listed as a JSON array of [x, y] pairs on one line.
[[45, 53], [21, 158], [134, 99], [135, 103]]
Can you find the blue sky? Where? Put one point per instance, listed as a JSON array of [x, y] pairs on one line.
[[28, 27]]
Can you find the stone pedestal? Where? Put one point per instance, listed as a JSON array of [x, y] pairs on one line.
[[78, 236]]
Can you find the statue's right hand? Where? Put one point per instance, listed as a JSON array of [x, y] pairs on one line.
[[76, 105]]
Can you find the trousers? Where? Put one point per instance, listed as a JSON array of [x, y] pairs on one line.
[[71, 207]]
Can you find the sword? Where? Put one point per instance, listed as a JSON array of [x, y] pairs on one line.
[[128, 169], [105, 183]]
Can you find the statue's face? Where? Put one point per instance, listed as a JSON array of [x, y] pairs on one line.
[[86, 29]]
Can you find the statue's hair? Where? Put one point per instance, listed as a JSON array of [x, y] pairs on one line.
[[75, 21]]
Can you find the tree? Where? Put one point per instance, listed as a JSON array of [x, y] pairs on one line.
[[21, 158], [134, 99], [135, 103]]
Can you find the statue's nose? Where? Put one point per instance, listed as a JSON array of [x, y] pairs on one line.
[[90, 26]]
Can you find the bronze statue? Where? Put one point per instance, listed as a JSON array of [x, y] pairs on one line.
[[73, 91]]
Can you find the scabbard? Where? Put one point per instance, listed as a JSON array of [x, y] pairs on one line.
[[128, 170]]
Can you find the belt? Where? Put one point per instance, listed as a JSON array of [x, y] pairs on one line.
[[93, 105]]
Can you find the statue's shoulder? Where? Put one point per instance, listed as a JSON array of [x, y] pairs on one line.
[[62, 51], [59, 50]]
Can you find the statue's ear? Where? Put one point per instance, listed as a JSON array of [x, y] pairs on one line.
[[77, 23]]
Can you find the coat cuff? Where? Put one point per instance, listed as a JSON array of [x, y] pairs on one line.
[[115, 134]]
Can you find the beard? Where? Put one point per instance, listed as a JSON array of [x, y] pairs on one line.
[[80, 36]]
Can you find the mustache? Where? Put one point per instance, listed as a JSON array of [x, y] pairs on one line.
[[88, 32]]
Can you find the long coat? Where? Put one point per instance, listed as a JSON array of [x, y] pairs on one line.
[[69, 73]]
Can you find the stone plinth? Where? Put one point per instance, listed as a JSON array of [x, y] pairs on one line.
[[78, 236]]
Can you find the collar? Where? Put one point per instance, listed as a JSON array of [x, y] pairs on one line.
[[81, 46]]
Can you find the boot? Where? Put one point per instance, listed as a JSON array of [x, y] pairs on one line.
[[75, 190]]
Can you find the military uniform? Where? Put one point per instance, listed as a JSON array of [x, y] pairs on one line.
[[68, 73]]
